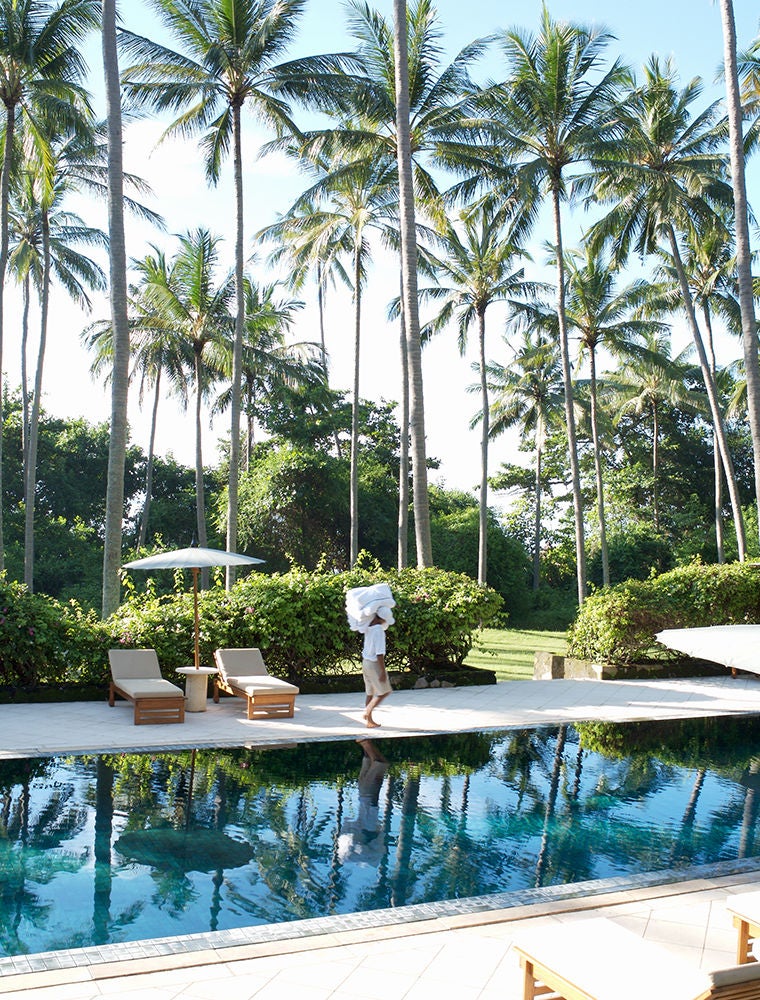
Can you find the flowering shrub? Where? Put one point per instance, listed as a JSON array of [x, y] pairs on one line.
[[618, 624], [44, 641], [298, 620]]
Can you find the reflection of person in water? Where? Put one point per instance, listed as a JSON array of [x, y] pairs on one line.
[[360, 839]]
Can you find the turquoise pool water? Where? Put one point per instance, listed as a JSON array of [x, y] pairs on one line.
[[105, 849]]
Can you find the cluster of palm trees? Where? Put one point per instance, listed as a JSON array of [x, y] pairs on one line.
[[415, 154]]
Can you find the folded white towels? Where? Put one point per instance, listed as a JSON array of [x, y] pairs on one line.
[[363, 603]]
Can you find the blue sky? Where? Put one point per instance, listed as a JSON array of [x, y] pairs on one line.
[[687, 30]]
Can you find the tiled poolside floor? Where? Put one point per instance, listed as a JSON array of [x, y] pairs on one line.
[[463, 956]]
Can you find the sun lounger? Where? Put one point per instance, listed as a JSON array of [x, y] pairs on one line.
[[242, 673], [598, 960], [744, 907], [136, 676]]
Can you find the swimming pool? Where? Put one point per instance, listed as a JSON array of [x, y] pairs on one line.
[[98, 850]]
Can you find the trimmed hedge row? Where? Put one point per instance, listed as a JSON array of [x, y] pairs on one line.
[[618, 625], [297, 619]]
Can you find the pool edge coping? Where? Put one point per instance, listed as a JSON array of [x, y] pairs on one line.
[[586, 896]]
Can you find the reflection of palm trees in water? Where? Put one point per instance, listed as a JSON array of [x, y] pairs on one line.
[[101, 904], [551, 802]]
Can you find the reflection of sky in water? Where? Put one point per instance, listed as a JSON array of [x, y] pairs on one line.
[[516, 822]]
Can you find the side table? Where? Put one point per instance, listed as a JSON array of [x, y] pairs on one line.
[[196, 687]]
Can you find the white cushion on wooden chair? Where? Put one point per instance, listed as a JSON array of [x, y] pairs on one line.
[[606, 962]]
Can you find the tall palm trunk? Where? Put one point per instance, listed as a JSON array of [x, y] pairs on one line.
[[30, 469], [655, 466], [117, 449], [743, 252], [598, 473], [567, 381], [24, 372], [143, 536], [537, 512], [237, 350], [409, 278], [321, 284], [717, 468], [354, 461], [712, 394], [10, 124], [483, 507], [200, 504], [403, 449]]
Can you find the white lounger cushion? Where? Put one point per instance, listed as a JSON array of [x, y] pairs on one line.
[[610, 963], [149, 687], [131, 664], [251, 684], [241, 662]]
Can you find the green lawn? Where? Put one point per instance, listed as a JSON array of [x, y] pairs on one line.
[[509, 651]]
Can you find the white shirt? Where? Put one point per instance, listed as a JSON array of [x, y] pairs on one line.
[[374, 642]]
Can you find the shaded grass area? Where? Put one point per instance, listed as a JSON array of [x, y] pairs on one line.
[[509, 652]]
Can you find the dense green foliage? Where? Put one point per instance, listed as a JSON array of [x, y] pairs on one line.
[[298, 620], [44, 641], [618, 625]]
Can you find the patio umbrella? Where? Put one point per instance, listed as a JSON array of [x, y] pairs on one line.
[[195, 559], [735, 646]]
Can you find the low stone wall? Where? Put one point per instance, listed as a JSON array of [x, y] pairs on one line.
[[551, 666]]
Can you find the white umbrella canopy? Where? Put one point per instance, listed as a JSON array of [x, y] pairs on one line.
[[735, 646], [195, 559]]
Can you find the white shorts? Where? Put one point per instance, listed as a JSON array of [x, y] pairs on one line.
[[372, 683]]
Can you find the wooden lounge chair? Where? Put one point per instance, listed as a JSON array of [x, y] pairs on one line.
[[136, 676], [598, 960], [744, 907], [242, 673]]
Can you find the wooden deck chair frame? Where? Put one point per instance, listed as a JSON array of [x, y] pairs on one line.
[[136, 676], [548, 975], [243, 673]]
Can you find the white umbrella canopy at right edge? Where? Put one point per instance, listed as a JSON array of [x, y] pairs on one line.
[[734, 646]]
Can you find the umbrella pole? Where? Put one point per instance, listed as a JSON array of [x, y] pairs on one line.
[[195, 615]]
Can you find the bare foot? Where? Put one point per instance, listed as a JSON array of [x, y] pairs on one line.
[[371, 724]]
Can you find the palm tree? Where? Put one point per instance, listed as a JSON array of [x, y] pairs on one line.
[[356, 198], [554, 110], [603, 316], [45, 246], [308, 240], [528, 392], [410, 303], [664, 178], [648, 380], [154, 353], [743, 253], [184, 296], [41, 69], [710, 265], [117, 256], [229, 59], [272, 368], [478, 269]]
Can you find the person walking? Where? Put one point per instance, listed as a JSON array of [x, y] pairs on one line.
[[377, 687]]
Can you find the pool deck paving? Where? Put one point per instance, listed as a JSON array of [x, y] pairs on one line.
[[457, 954]]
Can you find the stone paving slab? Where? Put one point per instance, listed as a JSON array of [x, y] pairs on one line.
[[38, 730]]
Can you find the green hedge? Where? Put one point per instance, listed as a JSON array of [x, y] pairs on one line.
[[618, 625], [298, 620], [45, 641]]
